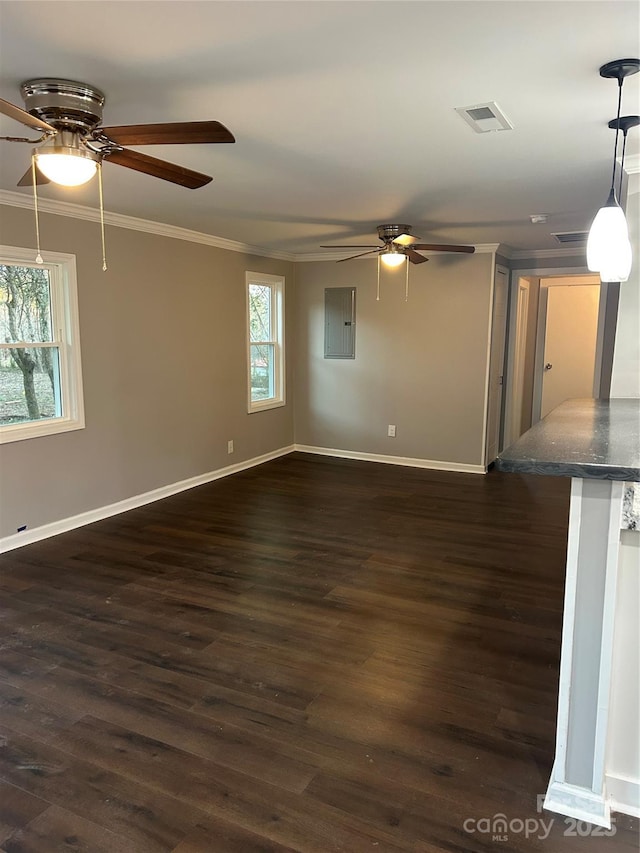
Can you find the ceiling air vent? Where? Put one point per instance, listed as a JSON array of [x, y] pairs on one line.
[[571, 238], [485, 117]]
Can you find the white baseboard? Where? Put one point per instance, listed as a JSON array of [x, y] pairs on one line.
[[624, 795], [580, 803], [435, 465], [17, 540]]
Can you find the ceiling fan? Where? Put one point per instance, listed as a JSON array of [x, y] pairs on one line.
[[398, 244], [68, 114]]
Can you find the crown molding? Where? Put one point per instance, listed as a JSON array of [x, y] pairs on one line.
[[133, 223], [481, 248], [162, 229]]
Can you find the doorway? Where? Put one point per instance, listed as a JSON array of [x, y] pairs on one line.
[[555, 347], [566, 341]]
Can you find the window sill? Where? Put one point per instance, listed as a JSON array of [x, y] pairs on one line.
[[263, 406], [37, 429]]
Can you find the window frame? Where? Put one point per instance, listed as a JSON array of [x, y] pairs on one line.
[[276, 284], [65, 334]]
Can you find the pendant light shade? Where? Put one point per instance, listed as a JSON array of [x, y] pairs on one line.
[[608, 244]]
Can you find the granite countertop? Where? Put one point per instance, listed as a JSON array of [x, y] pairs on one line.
[[581, 438]]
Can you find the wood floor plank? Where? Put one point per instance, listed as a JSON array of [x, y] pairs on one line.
[[278, 814], [313, 655], [60, 829], [192, 732], [30, 714], [17, 809], [220, 836], [106, 798]]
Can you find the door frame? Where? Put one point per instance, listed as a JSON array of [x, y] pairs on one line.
[[513, 426], [496, 266]]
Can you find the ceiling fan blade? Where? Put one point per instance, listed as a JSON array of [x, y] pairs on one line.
[[158, 168], [342, 260], [24, 117], [174, 133], [438, 247], [405, 240], [27, 179], [368, 246], [414, 257]]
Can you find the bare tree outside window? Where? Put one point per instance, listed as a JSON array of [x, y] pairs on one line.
[[29, 364]]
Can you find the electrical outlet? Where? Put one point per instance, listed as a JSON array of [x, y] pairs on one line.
[[230, 447], [391, 431]]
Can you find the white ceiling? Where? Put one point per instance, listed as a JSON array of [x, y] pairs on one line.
[[344, 111]]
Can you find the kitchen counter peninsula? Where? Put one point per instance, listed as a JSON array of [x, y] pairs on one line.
[[597, 444], [581, 438]]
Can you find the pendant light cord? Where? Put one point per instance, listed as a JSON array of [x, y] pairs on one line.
[[624, 145], [615, 148]]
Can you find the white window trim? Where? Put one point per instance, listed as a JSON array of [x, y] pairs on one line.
[[64, 299], [276, 282]]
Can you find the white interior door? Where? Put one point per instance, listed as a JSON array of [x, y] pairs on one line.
[[496, 364], [570, 344]]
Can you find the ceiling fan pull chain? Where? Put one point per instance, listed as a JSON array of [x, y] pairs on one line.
[[35, 207], [378, 287], [406, 283], [104, 251]]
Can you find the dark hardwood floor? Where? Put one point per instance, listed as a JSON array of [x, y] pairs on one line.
[[313, 655]]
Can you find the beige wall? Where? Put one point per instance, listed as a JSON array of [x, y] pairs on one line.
[[420, 365], [164, 370]]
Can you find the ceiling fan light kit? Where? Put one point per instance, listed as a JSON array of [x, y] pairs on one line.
[[608, 245], [65, 161], [393, 258]]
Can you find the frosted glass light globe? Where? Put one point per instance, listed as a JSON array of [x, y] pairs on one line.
[[70, 170], [393, 259], [608, 244]]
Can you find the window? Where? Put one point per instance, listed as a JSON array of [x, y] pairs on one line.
[[40, 374], [265, 319]]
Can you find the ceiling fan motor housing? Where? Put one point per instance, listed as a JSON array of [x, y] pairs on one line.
[[390, 232], [63, 103]]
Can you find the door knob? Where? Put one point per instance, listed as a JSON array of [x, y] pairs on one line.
[[548, 366]]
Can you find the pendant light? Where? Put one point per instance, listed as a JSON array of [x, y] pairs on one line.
[[618, 266], [608, 245]]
